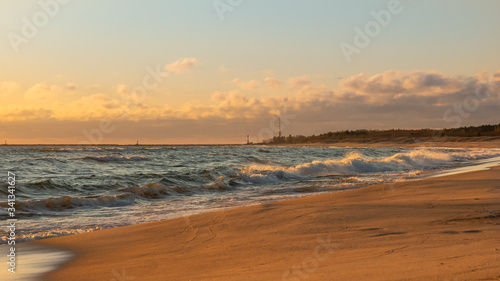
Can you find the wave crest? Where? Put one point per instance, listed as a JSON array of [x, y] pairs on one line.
[[69, 202], [356, 163]]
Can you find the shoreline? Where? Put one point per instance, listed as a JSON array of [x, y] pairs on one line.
[[34, 261], [184, 229], [495, 143], [452, 142]]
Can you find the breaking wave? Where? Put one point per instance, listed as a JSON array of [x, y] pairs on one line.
[[69, 202], [71, 189], [125, 196], [154, 190], [356, 163]]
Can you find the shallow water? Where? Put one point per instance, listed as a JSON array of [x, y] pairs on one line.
[[32, 262], [65, 190]]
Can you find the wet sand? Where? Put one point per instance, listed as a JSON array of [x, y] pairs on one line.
[[445, 228]]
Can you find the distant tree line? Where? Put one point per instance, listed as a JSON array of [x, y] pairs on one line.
[[389, 135]]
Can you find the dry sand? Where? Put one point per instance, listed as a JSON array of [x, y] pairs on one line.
[[445, 228]]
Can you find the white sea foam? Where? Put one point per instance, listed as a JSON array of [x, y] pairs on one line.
[[356, 163], [34, 261], [218, 184], [23, 236], [171, 182]]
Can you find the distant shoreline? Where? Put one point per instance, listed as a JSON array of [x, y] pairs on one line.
[[381, 142], [476, 142]]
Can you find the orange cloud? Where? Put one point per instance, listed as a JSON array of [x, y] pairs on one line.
[[396, 82], [377, 94], [71, 86], [121, 89], [272, 82], [299, 82], [25, 113], [8, 88], [496, 76], [182, 65], [42, 91], [246, 85]]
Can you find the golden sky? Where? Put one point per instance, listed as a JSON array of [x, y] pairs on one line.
[[197, 72]]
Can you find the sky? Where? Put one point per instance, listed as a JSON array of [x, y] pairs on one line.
[[215, 71]]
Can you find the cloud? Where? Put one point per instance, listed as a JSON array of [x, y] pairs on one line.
[[272, 82], [121, 89], [71, 86], [25, 113], [386, 100], [8, 88], [299, 82], [182, 65], [92, 107], [222, 69], [396, 82], [136, 98], [496, 76], [42, 91], [234, 104], [394, 90], [246, 85]]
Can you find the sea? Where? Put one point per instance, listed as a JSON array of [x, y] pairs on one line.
[[64, 190]]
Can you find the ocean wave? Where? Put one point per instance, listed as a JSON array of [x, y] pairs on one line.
[[125, 196], [159, 190], [23, 236], [356, 163], [70, 202], [154, 190], [218, 184], [47, 184], [50, 159], [71, 149], [94, 149], [112, 158], [256, 160]]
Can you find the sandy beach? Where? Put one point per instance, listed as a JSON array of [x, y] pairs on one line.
[[249, 140], [444, 228]]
